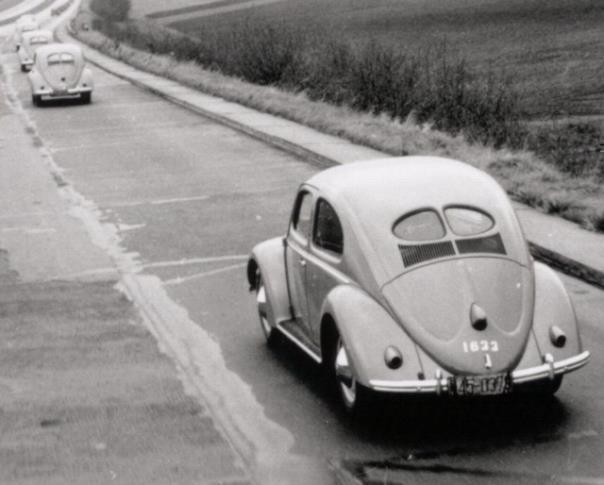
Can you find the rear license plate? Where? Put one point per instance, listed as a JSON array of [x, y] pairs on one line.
[[480, 385]]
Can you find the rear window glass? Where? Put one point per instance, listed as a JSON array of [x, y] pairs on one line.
[[63, 58], [468, 222], [424, 225]]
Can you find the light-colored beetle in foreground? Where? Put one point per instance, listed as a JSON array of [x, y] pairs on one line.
[[412, 275], [60, 71]]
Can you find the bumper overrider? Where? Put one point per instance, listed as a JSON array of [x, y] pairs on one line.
[[549, 370]]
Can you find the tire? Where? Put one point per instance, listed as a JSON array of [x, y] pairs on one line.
[[86, 98], [546, 387], [270, 333], [354, 398], [36, 99], [23, 68]]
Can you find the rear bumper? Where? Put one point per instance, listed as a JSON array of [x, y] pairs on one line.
[[548, 370], [69, 93]]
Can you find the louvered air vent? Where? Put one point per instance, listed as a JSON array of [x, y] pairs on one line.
[[423, 252], [489, 244]]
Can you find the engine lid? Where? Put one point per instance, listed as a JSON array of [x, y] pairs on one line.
[[472, 315]]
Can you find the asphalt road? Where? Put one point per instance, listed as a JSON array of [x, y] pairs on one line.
[[188, 199]]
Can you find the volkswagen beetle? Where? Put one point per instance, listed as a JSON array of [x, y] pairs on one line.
[[25, 23], [412, 275], [59, 71], [29, 44]]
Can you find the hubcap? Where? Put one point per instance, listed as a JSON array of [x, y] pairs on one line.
[[346, 381], [261, 302]]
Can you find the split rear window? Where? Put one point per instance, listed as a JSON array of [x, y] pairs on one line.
[[427, 224], [60, 58], [464, 221], [424, 225]]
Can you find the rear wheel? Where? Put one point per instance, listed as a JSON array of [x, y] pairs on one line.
[[263, 304], [86, 97], [36, 99], [354, 397], [23, 68]]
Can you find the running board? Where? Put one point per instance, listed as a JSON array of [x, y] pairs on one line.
[[305, 347]]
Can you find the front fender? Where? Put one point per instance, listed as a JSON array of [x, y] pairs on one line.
[[553, 307], [268, 257], [367, 329]]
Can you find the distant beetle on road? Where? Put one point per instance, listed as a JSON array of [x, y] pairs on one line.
[[60, 72], [31, 41], [412, 275]]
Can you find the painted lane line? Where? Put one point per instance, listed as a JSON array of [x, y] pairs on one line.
[[130, 227], [185, 279], [29, 230], [177, 200], [26, 215], [186, 262], [90, 272]]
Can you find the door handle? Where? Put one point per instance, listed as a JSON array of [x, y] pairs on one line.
[[302, 262]]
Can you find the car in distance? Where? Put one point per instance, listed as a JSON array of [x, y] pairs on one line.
[[29, 44], [25, 23], [60, 72], [412, 275]]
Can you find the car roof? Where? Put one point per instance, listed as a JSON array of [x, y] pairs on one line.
[[26, 20], [388, 188], [27, 25], [371, 196], [37, 33], [59, 47]]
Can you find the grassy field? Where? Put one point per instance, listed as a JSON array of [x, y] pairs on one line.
[[550, 50]]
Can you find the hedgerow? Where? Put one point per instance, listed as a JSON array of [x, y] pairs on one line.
[[371, 77], [111, 10]]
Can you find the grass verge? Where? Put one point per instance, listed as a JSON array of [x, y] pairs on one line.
[[522, 173]]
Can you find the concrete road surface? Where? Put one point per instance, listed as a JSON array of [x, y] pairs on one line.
[[177, 202]]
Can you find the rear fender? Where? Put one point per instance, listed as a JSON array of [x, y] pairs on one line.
[[87, 78], [268, 258], [553, 307], [367, 329]]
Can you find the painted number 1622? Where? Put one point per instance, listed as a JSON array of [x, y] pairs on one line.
[[480, 346]]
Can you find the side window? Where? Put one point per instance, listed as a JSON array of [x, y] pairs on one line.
[[302, 214], [328, 230]]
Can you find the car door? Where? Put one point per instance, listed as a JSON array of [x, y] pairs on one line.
[[296, 256], [324, 266]]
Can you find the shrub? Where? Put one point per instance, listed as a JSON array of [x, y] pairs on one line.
[[112, 10], [575, 148]]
